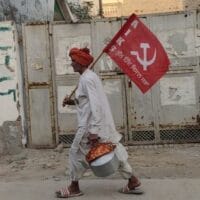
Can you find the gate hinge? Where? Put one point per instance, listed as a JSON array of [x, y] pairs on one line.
[[129, 84], [50, 27]]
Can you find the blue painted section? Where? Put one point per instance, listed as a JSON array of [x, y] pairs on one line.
[[5, 48], [5, 28], [7, 60], [5, 78], [8, 93]]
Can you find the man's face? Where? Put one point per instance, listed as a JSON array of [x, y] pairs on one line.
[[75, 66]]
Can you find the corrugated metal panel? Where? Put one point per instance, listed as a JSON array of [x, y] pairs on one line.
[[141, 108], [40, 118], [102, 33], [67, 120], [38, 54], [178, 38], [39, 90], [178, 100], [66, 36], [113, 86]]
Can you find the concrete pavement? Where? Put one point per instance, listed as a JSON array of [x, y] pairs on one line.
[[155, 189]]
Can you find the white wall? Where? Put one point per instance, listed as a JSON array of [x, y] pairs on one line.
[[27, 10], [8, 73]]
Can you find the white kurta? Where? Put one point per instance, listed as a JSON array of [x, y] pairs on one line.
[[93, 108], [94, 116]]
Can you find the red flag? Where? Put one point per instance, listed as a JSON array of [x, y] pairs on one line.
[[138, 52]]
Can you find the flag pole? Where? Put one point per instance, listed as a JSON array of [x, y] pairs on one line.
[[90, 67]]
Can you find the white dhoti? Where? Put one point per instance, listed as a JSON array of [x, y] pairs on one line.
[[78, 164]]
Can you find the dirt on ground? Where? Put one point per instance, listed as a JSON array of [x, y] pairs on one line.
[[159, 161]]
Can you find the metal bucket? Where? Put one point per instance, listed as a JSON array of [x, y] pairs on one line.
[[106, 165]]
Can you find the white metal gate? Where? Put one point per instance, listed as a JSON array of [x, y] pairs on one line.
[[39, 90], [169, 112]]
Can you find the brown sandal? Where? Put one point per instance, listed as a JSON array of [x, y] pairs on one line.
[[65, 193], [127, 190]]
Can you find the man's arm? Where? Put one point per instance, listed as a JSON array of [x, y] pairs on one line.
[[95, 106]]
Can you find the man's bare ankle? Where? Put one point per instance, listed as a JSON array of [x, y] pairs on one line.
[[133, 182], [74, 187]]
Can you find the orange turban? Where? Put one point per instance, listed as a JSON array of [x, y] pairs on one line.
[[81, 56]]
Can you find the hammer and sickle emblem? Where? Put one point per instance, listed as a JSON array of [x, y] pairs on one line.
[[144, 62]]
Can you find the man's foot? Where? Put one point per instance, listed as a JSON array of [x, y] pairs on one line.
[[127, 190], [133, 182], [132, 187], [71, 191], [66, 193]]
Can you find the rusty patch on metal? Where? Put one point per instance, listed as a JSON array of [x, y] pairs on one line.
[[36, 23], [166, 125], [198, 119], [35, 84], [151, 124], [184, 126]]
